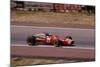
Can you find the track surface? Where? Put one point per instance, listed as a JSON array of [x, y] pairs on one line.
[[83, 37], [84, 41], [69, 53]]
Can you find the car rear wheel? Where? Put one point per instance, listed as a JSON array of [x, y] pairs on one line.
[[31, 40], [59, 43]]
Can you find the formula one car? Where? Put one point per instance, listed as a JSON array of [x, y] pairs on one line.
[[49, 39]]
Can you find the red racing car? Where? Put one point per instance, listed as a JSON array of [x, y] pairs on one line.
[[47, 39]]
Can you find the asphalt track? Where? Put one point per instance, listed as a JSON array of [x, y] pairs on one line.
[[53, 52], [84, 41], [84, 38]]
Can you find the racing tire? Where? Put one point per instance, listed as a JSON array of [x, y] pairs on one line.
[[31, 40], [58, 44], [72, 43]]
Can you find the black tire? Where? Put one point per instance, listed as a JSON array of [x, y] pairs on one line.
[[72, 43], [59, 43], [31, 40]]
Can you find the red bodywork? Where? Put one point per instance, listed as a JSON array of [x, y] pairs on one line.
[[63, 41]]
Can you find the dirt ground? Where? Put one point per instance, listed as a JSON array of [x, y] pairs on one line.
[[51, 19], [19, 61]]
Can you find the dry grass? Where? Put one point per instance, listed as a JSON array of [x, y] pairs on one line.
[[53, 18], [17, 61]]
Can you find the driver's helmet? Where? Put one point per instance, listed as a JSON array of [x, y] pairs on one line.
[[47, 34]]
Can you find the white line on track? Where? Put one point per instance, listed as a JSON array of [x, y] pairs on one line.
[[51, 27], [74, 47]]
